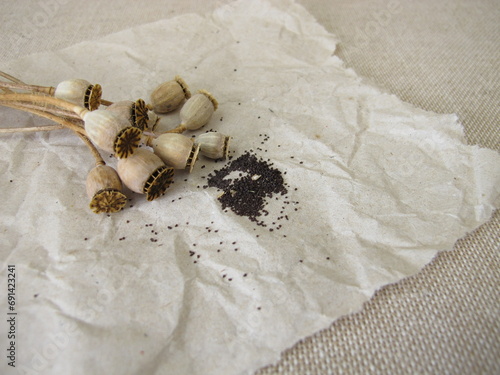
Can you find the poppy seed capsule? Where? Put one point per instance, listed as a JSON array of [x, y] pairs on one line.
[[79, 92], [197, 110], [213, 145], [104, 189], [176, 150], [145, 173], [112, 132], [167, 97], [136, 112]]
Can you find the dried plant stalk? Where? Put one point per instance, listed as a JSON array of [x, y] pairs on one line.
[[11, 78], [65, 122], [43, 99], [42, 128], [31, 88]]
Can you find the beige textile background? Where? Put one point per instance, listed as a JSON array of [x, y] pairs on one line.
[[441, 56]]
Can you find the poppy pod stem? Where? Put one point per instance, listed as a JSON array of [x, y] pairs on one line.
[[68, 124], [37, 99], [10, 78], [178, 129], [31, 129], [93, 150], [49, 108], [32, 88], [107, 103], [63, 122]]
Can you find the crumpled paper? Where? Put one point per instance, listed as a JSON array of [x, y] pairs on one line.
[[376, 187]]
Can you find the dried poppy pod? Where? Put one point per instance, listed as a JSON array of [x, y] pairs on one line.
[[145, 173], [136, 112], [176, 150], [167, 97], [213, 145], [104, 189], [197, 110], [111, 132], [80, 92]]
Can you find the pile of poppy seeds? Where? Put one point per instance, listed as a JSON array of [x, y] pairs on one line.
[[247, 184]]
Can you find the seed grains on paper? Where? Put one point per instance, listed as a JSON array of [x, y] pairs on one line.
[[375, 187]]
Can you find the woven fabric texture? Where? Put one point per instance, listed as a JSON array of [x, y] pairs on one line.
[[441, 56]]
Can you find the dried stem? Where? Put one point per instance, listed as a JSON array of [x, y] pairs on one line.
[[63, 122], [179, 129], [11, 78], [30, 88], [32, 129], [43, 99], [98, 158], [50, 116], [107, 103], [51, 109]]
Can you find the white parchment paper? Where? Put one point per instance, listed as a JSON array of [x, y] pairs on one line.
[[376, 187]]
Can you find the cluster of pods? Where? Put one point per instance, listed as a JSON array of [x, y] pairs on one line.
[[146, 159]]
